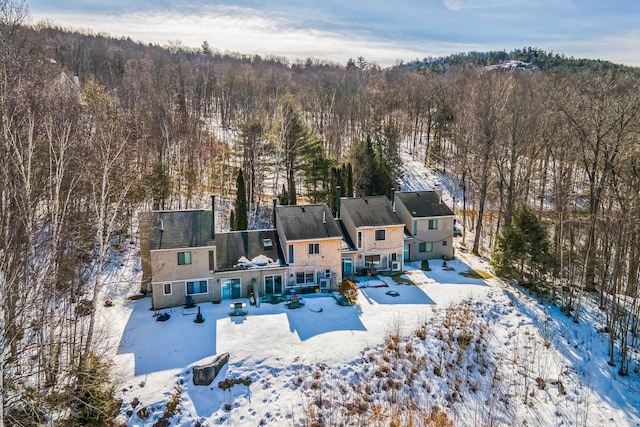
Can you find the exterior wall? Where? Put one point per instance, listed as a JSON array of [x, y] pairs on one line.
[[393, 243], [165, 269], [178, 293], [329, 258], [247, 277], [444, 232]]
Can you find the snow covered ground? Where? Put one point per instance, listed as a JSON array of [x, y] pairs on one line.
[[483, 352]]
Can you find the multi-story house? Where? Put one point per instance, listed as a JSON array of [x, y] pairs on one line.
[[312, 243], [374, 230], [429, 225], [183, 256]]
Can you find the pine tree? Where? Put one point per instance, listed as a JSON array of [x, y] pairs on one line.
[[240, 206], [349, 192], [521, 244]]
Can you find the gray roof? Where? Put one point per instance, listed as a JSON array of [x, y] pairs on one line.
[[231, 247], [422, 204], [181, 229], [374, 211], [305, 222]]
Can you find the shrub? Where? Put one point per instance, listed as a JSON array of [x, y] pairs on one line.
[[349, 291], [425, 265], [464, 339]]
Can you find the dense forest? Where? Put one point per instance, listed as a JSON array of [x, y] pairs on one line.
[[94, 129]]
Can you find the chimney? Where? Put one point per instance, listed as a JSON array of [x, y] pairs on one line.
[[274, 211], [213, 217], [338, 194], [393, 199]]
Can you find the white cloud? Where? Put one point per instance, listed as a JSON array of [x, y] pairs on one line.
[[245, 31], [457, 5]]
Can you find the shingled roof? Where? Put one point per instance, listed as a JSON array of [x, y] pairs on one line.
[[239, 250], [307, 222], [181, 229], [421, 204], [374, 211]]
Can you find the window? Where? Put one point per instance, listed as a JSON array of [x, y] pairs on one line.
[[415, 227], [433, 224], [304, 277], [273, 284], [359, 239], [197, 287], [314, 248], [372, 260], [327, 273], [184, 258], [380, 235], [444, 243], [291, 258], [394, 256], [267, 243], [166, 289], [425, 247]]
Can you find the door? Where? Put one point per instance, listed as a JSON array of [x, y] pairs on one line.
[[273, 285], [406, 253], [231, 288], [347, 266]]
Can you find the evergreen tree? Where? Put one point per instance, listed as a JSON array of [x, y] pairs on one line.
[[521, 244], [240, 206], [291, 194], [283, 198], [349, 192]]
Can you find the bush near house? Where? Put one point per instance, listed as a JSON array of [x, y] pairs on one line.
[[349, 291]]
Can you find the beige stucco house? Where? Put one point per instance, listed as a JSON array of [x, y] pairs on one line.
[[374, 230], [183, 256], [311, 242], [429, 225]]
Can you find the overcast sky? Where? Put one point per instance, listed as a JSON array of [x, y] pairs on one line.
[[382, 31]]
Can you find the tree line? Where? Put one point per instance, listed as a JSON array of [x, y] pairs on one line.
[[95, 129]]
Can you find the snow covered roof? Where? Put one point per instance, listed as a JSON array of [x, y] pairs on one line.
[[240, 250], [373, 211]]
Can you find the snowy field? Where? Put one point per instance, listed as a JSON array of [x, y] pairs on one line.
[[484, 353]]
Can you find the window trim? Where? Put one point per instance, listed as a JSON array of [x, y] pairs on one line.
[[424, 244], [164, 289], [185, 255], [291, 254], [199, 281], [383, 232], [306, 275]]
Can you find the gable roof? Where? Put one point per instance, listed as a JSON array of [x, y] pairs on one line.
[[374, 211], [422, 204], [305, 222], [240, 250], [181, 229]]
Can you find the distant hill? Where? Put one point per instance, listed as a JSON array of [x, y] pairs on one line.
[[547, 61]]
